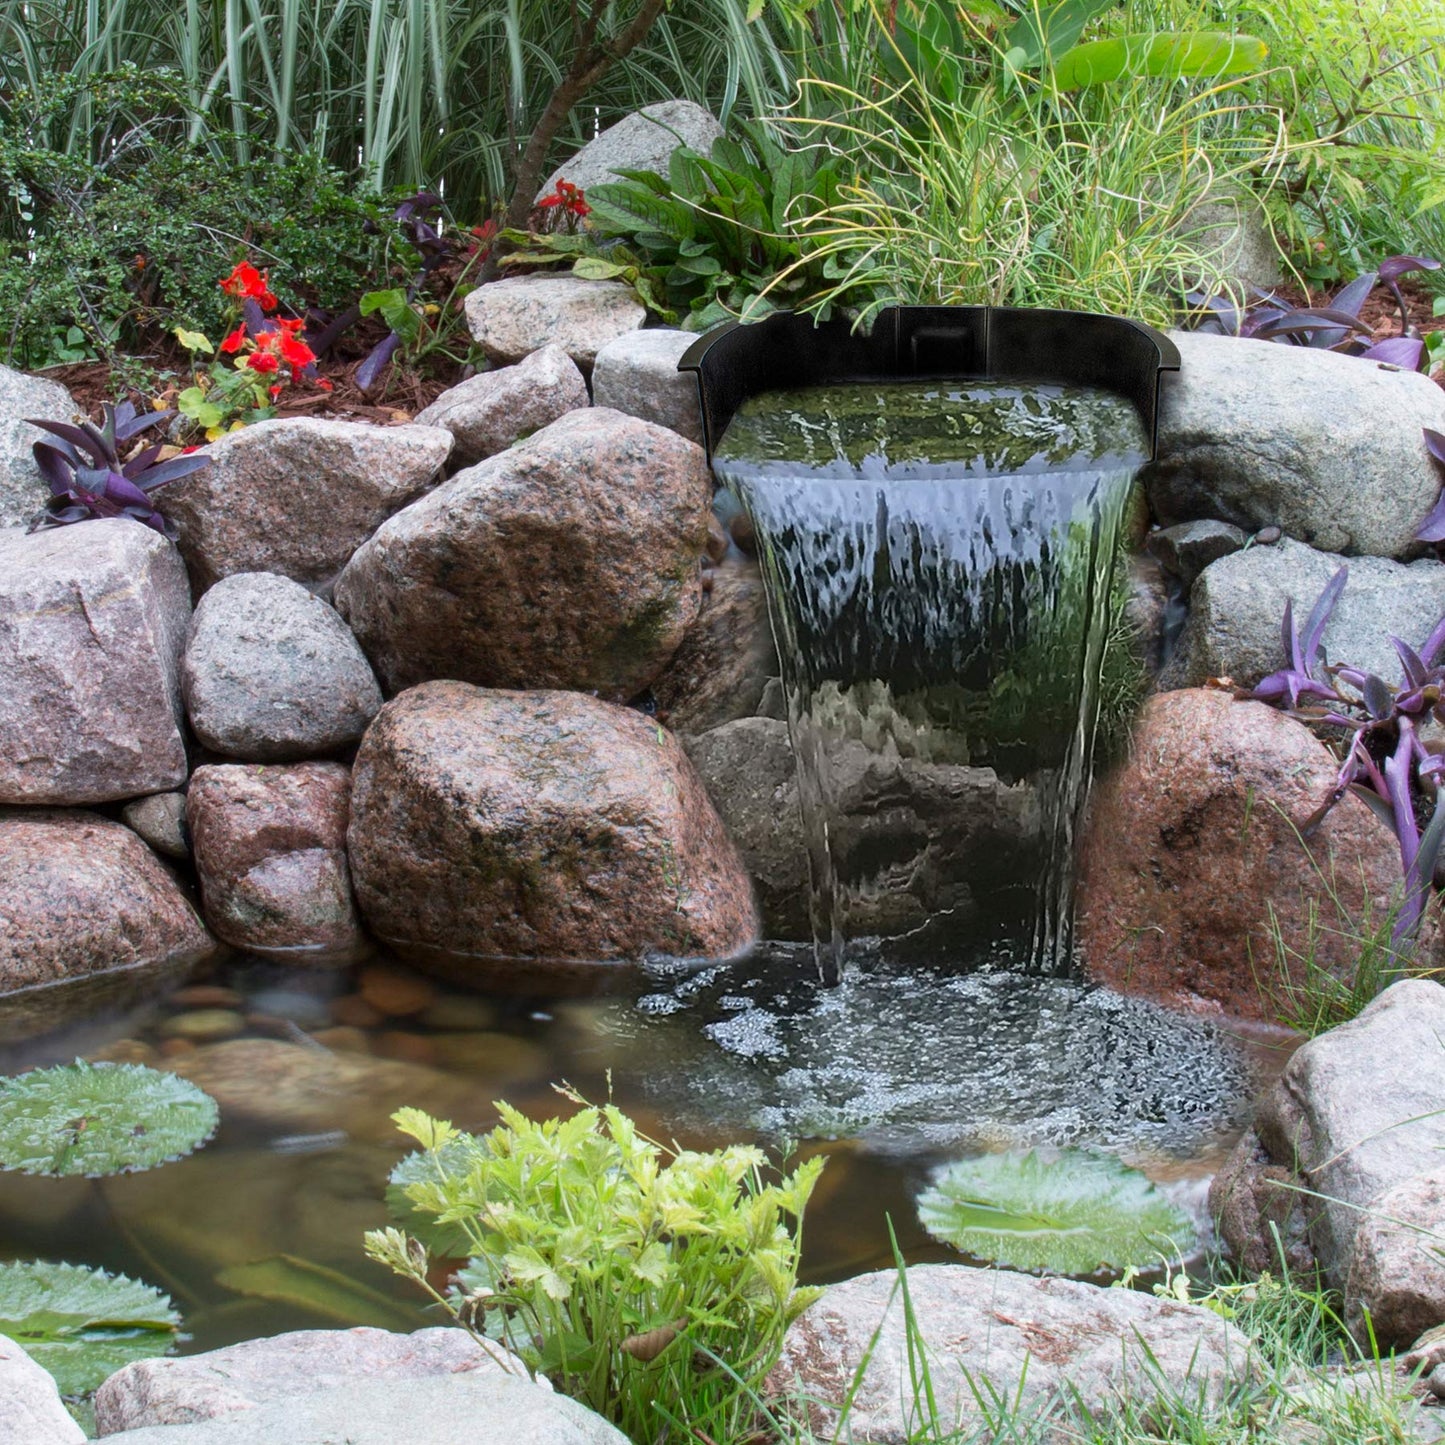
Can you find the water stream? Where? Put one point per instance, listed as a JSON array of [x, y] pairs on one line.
[[942, 581]]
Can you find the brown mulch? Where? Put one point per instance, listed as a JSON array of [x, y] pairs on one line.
[[1379, 313]]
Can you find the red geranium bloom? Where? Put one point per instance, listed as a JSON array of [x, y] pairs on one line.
[[247, 283], [233, 342], [296, 352], [263, 361]]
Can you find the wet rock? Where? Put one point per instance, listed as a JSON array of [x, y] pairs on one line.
[[23, 491], [1194, 841], [487, 413], [204, 1025], [298, 496], [1327, 447], [912, 839], [160, 820], [1396, 1286], [206, 995], [356, 1012], [542, 825], [742, 531], [571, 560], [512, 318], [1255, 1201], [30, 1409], [394, 993], [82, 896], [992, 1335], [270, 850], [300, 1088], [1356, 1114], [92, 620], [1237, 604], [503, 1059], [272, 674], [254, 1373], [486, 1410], [1185, 550], [642, 141], [462, 1013], [637, 374], [719, 672]]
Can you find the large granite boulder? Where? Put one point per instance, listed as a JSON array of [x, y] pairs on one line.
[[1236, 604], [723, 667], [23, 491], [1328, 447], [642, 141], [1357, 1116], [475, 1409], [298, 496], [512, 318], [272, 674], [270, 852], [81, 897], [637, 373], [31, 1412], [92, 621], [1193, 848], [994, 1336], [488, 412], [571, 560], [254, 1373], [537, 826]]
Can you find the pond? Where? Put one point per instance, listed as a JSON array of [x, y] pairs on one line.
[[890, 1075]]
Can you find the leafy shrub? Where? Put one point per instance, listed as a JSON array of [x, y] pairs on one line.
[[126, 248], [640, 1279]]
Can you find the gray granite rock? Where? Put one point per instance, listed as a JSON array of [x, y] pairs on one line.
[[1185, 550], [570, 560], [30, 1408], [514, 317], [298, 496], [458, 1410], [1397, 1275], [642, 141], [272, 674], [1328, 447], [488, 412], [160, 820], [1236, 605], [92, 621], [637, 373], [1357, 1114], [22, 489], [995, 1335], [1234, 229], [244, 1377]]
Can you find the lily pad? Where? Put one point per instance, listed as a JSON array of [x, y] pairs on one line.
[[99, 1119], [83, 1324], [1073, 1213]]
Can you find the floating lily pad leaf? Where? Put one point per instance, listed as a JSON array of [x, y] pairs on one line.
[[83, 1324], [98, 1119], [1074, 1213]]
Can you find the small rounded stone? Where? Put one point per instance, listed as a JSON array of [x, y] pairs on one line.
[[459, 1013], [1266, 536], [407, 1048], [204, 1025], [125, 1051], [355, 1012], [174, 1048], [343, 1040], [206, 995], [741, 531], [395, 993]]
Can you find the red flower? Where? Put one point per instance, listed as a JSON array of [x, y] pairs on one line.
[[322, 382], [247, 283], [233, 342], [569, 197], [274, 391], [264, 362], [296, 352]]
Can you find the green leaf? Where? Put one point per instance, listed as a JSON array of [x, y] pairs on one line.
[[82, 1324], [396, 310], [192, 341], [1050, 29], [1071, 1214], [1202, 54], [98, 1119], [594, 268]]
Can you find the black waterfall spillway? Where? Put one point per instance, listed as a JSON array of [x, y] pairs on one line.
[[940, 509]]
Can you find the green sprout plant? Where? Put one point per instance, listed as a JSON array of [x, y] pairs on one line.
[[642, 1280], [92, 1121]]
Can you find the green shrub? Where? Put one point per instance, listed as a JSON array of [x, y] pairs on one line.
[[643, 1281]]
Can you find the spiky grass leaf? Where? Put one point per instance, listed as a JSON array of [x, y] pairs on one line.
[[82, 1325], [99, 1119], [1074, 1213]]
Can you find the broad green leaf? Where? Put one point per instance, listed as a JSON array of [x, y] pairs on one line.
[[396, 310], [1074, 1214], [623, 208], [82, 1324], [1200, 55], [594, 268], [323, 1292], [191, 340], [98, 1119], [1050, 29]]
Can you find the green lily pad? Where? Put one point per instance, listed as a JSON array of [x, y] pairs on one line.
[[83, 1324], [99, 1119], [1074, 1213]]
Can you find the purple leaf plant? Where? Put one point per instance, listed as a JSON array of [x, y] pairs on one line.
[[1386, 765], [1336, 327], [87, 478]]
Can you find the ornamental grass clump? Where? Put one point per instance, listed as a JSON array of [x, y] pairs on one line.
[[649, 1283]]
